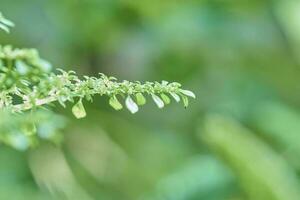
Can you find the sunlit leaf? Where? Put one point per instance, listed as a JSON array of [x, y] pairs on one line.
[[175, 96], [5, 28], [113, 102], [7, 22], [255, 162], [140, 99], [158, 101], [78, 110], [165, 98], [188, 93], [131, 105]]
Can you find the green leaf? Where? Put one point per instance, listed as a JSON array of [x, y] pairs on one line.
[[21, 67], [7, 22], [188, 93], [140, 99], [61, 100], [256, 161], [158, 101], [78, 110], [165, 98], [44, 65], [5, 28], [185, 101], [18, 141], [113, 102], [131, 105], [175, 96]]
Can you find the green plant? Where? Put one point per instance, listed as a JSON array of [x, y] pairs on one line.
[[28, 84]]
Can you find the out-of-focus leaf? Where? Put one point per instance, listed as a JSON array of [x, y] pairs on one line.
[[260, 170], [281, 124], [200, 177], [52, 172], [21, 67]]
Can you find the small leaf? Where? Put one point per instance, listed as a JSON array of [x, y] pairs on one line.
[[140, 99], [21, 67], [78, 110], [7, 22], [175, 96], [61, 100], [5, 28], [164, 83], [44, 65], [131, 105], [19, 141], [188, 93], [165, 98], [185, 101], [158, 101], [113, 102]]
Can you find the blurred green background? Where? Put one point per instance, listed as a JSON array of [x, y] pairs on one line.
[[240, 139]]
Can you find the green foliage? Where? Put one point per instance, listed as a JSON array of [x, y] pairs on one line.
[[5, 24], [23, 77], [241, 57], [27, 83], [259, 169], [24, 130]]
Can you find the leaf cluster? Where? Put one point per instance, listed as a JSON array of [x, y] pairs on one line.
[[28, 83], [26, 79]]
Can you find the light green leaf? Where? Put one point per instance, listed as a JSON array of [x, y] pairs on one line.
[[140, 99], [21, 67], [131, 105], [158, 101], [185, 101], [188, 93], [175, 96], [7, 22], [45, 65], [256, 162], [18, 141], [78, 110], [5, 28], [165, 98], [113, 102]]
